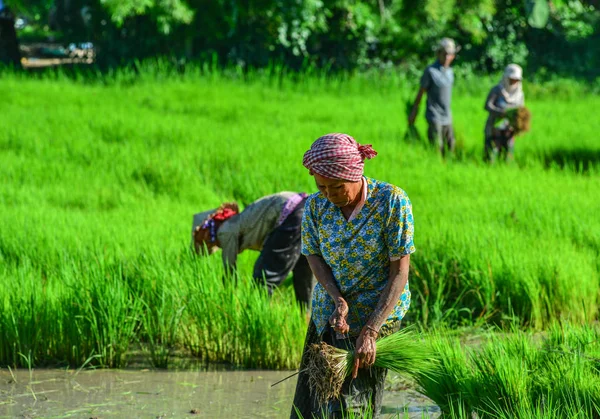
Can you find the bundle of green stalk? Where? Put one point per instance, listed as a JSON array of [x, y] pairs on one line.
[[519, 119], [402, 352], [412, 133]]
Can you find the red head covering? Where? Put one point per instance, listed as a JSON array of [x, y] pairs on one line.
[[224, 214], [338, 156]]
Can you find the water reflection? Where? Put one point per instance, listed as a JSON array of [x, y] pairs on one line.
[[161, 394]]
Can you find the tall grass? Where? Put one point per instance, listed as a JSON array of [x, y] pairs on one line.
[[100, 180]]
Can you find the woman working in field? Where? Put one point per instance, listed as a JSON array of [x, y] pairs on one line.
[[357, 234], [500, 131], [270, 225]]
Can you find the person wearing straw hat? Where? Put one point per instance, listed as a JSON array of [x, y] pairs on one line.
[[270, 225], [506, 95], [357, 234], [437, 81]]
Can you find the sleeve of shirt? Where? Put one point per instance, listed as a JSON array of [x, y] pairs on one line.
[[490, 104], [229, 245], [426, 79], [310, 233], [400, 229]]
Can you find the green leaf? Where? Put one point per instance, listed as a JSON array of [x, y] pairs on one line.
[[538, 13]]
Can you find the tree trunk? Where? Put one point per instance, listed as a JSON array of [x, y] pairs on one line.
[[9, 45]]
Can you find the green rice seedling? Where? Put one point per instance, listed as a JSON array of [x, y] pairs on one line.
[[160, 323], [453, 383], [230, 319], [567, 338], [544, 409], [111, 315], [505, 368], [514, 375], [402, 352]]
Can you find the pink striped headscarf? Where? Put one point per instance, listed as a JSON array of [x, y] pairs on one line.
[[338, 156]]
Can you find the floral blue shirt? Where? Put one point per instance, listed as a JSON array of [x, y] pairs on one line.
[[359, 251]]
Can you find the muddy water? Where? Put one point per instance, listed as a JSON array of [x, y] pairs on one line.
[[164, 394]]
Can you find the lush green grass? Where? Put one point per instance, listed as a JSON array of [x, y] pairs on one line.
[[100, 180]]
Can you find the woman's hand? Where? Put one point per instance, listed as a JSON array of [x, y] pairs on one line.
[[365, 350], [338, 319]]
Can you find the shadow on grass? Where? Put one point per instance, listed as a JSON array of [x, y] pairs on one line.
[[578, 159]]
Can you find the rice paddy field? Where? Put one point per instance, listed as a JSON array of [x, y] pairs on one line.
[[101, 177]]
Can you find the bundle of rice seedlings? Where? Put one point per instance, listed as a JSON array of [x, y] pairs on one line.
[[402, 352], [412, 133], [520, 120], [328, 367]]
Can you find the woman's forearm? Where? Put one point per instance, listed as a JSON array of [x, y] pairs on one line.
[[491, 107], [391, 293], [323, 273]]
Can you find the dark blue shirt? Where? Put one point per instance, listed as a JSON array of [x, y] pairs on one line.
[[437, 81]]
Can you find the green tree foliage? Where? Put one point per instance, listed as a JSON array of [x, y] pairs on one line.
[[164, 13], [255, 31], [538, 12], [558, 36], [570, 43]]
